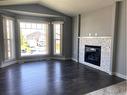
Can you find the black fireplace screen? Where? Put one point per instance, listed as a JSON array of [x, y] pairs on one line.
[[93, 54]]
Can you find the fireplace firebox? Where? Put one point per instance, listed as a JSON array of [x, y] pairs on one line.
[[93, 54]]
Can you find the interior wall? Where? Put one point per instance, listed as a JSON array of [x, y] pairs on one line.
[[99, 22], [126, 36], [1, 55], [120, 65], [75, 38], [67, 38]]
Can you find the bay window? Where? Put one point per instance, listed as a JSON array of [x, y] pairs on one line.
[[9, 41]]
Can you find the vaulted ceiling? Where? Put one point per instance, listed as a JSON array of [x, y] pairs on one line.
[[69, 7]]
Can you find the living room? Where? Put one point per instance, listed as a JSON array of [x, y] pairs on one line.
[[63, 47]]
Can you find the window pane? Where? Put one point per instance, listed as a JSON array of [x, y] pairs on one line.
[[34, 41], [57, 38], [34, 25], [57, 47], [9, 48], [9, 39], [22, 25], [28, 25], [8, 26], [57, 26], [39, 26], [57, 31]]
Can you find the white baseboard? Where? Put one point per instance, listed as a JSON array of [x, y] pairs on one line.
[[8, 63], [28, 60], [120, 75], [74, 59], [60, 58], [48, 58]]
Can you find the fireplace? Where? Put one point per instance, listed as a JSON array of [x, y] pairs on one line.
[[93, 54]]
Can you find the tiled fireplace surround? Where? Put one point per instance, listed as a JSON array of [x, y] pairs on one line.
[[106, 54]]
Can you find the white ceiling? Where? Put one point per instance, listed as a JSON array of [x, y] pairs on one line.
[[70, 7]]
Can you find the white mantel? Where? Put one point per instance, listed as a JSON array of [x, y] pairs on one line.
[[106, 54]]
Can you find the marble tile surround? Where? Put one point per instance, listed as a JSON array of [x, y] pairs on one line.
[[105, 43]]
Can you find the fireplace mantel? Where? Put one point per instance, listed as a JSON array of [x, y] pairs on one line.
[[94, 37]]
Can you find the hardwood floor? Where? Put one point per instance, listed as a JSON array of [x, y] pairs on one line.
[[52, 77]]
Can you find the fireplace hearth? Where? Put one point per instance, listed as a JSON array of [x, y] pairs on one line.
[[93, 54]]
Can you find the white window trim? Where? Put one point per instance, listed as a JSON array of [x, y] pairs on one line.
[[58, 22], [61, 38], [33, 21], [4, 29]]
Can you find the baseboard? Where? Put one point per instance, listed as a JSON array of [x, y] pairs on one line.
[[74, 59], [8, 64], [32, 60], [119, 75], [60, 58], [48, 58]]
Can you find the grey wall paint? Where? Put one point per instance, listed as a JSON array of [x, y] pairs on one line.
[[35, 8], [67, 38], [1, 40], [75, 38], [99, 21], [126, 36], [120, 66], [7, 13]]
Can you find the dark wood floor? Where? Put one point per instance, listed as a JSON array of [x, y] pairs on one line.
[[52, 78]]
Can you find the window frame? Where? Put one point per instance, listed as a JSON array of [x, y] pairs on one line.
[[11, 40], [19, 33], [61, 38]]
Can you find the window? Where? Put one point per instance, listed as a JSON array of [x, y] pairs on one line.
[[33, 38], [57, 38], [9, 42]]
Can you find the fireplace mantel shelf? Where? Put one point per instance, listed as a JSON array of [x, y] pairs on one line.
[[94, 37]]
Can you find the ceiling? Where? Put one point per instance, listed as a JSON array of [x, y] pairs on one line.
[[69, 7]]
